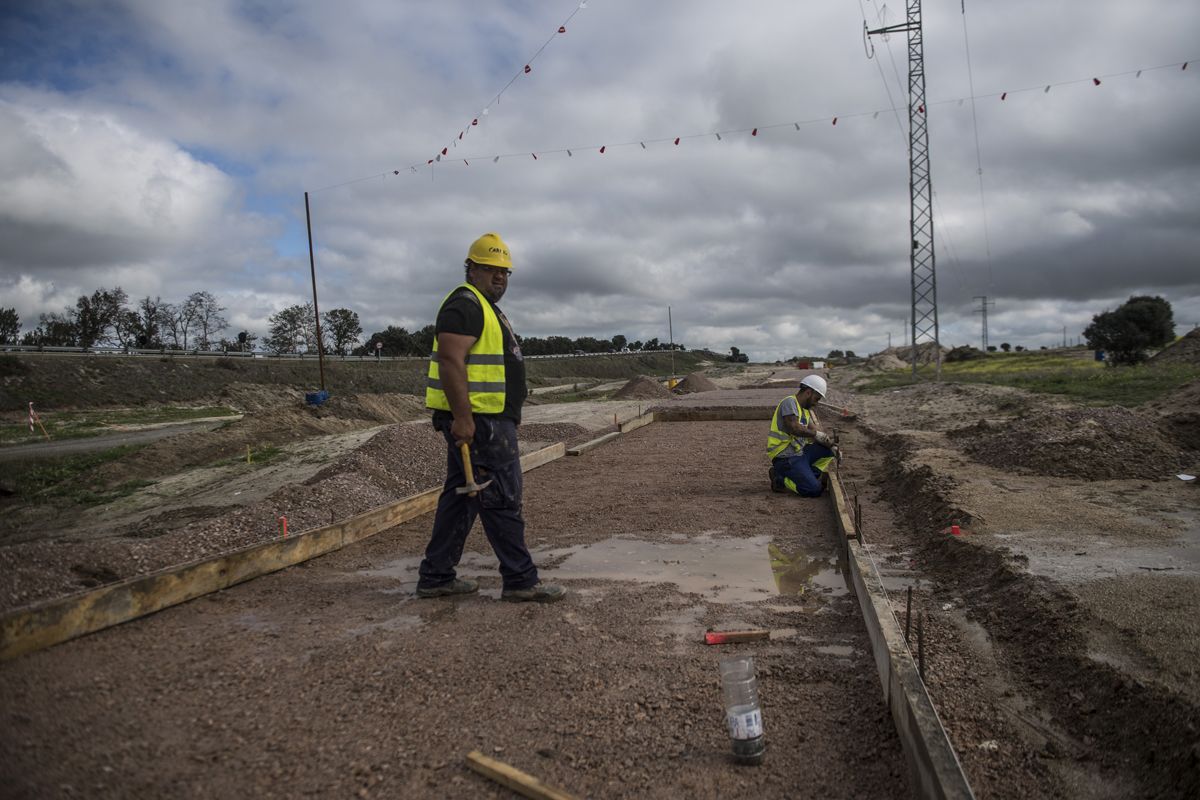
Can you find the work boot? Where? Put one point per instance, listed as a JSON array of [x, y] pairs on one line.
[[456, 586], [776, 484], [540, 592]]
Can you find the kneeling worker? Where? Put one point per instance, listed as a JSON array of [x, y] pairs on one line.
[[799, 452], [476, 388]]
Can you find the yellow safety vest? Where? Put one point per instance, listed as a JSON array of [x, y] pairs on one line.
[[485, 365], [780, 442]]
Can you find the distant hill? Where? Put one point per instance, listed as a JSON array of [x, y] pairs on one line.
[[107, 380]]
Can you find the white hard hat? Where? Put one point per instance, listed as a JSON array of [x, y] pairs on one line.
[[814, 382]]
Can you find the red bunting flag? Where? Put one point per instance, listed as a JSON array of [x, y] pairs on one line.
[[835, 120], [921, 108], [1096, 81], [1004, 96], [602, 148], [562, 28], [444, 149], [754, 132], [475, 121], [676, 140], [528, 69], [430, 161], [460, 133]]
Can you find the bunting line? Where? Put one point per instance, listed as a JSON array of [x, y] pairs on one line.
[[495, 101], [1097, 81]]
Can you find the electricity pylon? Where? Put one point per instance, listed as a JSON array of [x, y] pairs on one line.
[[924, 276], [983, 307]]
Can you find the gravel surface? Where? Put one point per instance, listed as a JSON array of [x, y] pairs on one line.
[[330, 679]]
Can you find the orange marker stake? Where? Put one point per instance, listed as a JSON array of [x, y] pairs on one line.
[[727, 637], [283, 526]]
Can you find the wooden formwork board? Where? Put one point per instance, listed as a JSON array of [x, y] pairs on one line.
[[926, 745], [45, 624], [583, 448]]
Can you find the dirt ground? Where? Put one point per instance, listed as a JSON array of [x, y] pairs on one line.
[[1060, 629], [330, 679], [1063, 624]]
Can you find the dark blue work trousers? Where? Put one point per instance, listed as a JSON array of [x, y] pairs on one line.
[[495, 457], [805, 478]]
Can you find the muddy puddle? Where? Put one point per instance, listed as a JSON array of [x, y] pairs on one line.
[[720, 570], [1053, 555]]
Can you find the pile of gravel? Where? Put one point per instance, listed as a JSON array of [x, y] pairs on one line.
[[695, 382], [642, 387]]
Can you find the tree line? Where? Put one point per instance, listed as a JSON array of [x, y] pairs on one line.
[[107, 318]]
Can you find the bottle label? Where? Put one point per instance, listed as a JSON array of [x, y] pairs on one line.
[[748, 725]]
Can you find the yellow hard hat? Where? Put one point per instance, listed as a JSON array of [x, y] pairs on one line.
[[490, 250]]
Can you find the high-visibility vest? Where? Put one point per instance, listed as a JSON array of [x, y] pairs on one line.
[[779, 441], [782, 443], [485, 365]]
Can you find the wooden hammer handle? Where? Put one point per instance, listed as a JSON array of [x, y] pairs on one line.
[[465, 449]]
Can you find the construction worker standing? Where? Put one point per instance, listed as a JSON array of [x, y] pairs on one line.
[[476, 387], [799, 452]]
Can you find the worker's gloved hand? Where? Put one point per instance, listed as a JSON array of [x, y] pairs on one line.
[[823, 438]]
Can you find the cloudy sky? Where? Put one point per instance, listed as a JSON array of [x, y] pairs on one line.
[[165, 146]]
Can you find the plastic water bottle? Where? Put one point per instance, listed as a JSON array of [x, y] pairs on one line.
[[742, 712]]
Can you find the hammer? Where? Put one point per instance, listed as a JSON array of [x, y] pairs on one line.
[[470, 488]]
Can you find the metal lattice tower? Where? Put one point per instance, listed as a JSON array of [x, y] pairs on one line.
[[983, 307], [924, 277]]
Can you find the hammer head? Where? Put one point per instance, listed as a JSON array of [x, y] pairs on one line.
[[473, 489]]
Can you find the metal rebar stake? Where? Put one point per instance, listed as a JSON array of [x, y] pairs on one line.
[[921, 646], [908, 618]]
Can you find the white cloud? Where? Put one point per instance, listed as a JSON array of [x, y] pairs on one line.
[[168, 146]]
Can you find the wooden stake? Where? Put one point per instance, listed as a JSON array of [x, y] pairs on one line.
[[521, 783]]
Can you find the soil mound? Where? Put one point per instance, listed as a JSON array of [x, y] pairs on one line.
[[885, 361], [696, 382], [643, 387], [1184, 351], [1090, 443], [1181, 414]]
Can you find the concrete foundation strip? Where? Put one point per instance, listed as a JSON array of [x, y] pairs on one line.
[[27, 630], [927, 748]]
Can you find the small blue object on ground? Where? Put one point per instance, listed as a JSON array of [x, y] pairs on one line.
[[316, 398]]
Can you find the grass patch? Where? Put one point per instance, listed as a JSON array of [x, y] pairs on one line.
[[64, 479], [1089, 382], [82, 424]]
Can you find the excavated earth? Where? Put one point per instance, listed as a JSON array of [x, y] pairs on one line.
[[1059, 631]]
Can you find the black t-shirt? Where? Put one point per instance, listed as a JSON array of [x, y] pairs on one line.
[[463, 315]]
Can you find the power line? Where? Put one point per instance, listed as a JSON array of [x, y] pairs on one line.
[[987, 244]]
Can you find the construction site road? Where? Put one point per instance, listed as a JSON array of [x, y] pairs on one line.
[[332, 679], [57, 448]]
